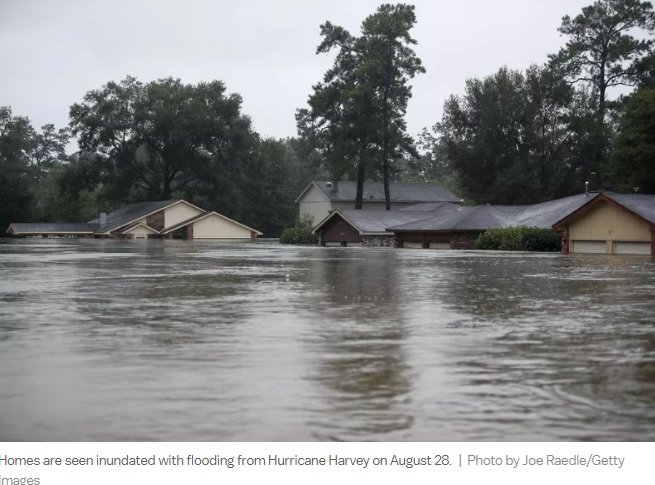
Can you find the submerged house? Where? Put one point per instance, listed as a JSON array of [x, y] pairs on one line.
[[343, 227], [605, 222], [320, 198], [610, 223], [170, 219]]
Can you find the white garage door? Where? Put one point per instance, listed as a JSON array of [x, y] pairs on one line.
[[412, 245], [593, 247], [625, 247]]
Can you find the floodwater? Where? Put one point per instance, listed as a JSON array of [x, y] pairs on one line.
[[165, 340]]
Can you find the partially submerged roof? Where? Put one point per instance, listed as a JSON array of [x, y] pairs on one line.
[[483, 217], [373, 222], [27, 228], [133, 212], [548, 213], [462, 219], [374, 192]]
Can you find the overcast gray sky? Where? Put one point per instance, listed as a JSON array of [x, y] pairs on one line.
[[53, 52]]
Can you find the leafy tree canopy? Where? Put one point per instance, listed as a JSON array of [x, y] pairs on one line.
[[158, 138], [605, 44], [27, 157], [634, 153], [512, 137]]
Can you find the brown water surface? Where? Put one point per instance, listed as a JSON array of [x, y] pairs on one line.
[[165, 340]]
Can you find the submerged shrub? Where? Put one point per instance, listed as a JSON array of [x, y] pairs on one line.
[[299, 233], [519, 239]]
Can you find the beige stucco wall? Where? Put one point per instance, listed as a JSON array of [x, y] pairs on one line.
[[315, 204], [178, 213], [215, 227], [608, 222]]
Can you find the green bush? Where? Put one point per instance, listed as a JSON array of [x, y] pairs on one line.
[[299, 233], [519, 239]]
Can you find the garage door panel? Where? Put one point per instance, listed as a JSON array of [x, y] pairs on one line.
[[590, 247], [631, 247], [412, 245]]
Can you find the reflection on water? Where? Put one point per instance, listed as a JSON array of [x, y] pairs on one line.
[[167, 340]]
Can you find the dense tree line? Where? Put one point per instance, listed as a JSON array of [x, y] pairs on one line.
[[512, 137], [167, 139], [522, 137], [31, 165], [152, 141]]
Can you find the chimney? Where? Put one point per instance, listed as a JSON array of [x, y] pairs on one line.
[[103, 218], [586, 188]]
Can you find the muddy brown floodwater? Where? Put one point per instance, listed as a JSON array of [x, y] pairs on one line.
[[164, 340]]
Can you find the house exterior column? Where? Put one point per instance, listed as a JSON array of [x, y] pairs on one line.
[[564, 235]]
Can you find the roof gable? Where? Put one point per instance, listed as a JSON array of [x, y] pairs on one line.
[[641, 206], [133, 228], [313, 187], [131, 213], [204, 215]]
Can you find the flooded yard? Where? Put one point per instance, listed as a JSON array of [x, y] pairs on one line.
[[165, 340]]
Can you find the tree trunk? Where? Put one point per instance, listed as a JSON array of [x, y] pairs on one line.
[[600, 128], [385, 135], [387, 195], [360, 184]]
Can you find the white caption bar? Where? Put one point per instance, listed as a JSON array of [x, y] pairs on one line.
[[298, 463]]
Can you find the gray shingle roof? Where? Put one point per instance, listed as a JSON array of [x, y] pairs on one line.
[[374, 191], [463, 219], [483, 217], [130, 213], [19, 228], [374, 221], [426, 206], [548, 213]]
